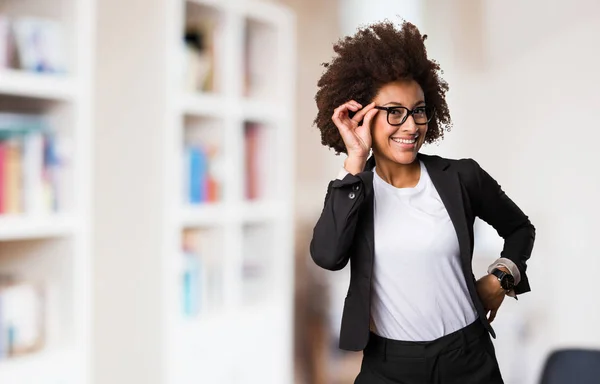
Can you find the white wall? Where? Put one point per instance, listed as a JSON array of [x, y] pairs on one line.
[[355, 13]]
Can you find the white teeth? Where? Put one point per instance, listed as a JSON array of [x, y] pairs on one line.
[[404, 141]]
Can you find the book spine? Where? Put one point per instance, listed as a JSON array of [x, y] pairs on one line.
[[195, 164], [251, 136], [33, 164], [13, 173]]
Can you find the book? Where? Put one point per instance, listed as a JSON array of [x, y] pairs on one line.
[[12, 177], [201, 272], [200, 167], [199, 56], [40, 45], [260, 49], [251, 141], [22, 319], [197, 175], [260, 160]]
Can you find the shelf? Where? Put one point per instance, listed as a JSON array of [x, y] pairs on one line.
[[218, 106], [203, 323], [217, 4], [220, 213], [46, 367], [22, 227], [262, 211], [204, 105], [212, 320], [262, 111], [203, 215], [35, 85]]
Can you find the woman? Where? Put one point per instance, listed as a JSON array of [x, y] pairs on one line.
[[404, 220]]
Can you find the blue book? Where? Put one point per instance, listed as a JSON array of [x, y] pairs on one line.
[[191, 284], [198, 173]]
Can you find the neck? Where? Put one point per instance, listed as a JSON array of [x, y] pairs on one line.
[[398, 175]]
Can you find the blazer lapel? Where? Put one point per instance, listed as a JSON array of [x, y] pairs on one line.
[[447, 184]]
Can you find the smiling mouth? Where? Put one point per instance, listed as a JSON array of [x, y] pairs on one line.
[[405, 141]]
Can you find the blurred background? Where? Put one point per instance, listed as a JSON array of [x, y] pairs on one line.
[[160, 178]]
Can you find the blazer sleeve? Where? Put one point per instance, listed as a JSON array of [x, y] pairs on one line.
[[334, 232], [495, 208]]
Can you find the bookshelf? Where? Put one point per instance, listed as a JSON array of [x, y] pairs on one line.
[[236, 97], [45, 129]]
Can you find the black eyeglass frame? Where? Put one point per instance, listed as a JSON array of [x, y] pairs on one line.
[[409, 112]]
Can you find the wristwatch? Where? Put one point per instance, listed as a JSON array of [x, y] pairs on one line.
[[507, 281]]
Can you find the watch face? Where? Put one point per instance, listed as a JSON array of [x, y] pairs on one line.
[[508, 282]]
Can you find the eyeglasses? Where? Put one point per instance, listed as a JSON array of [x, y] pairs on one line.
[[397, 115]]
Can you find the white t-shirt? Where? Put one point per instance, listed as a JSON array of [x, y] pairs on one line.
[[419, 291]]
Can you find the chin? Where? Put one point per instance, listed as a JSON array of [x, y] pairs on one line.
[[405, 158]]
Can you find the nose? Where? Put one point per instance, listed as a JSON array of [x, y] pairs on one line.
[[409, 126]]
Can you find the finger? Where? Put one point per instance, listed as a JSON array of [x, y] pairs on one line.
[[340, 117], [343, 109], [361, 114], [354, 102], [369, 116]]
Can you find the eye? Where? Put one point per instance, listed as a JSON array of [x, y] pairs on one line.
[[420, 111], [395, 112]]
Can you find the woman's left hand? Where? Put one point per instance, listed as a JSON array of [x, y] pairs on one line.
[[491, 294]]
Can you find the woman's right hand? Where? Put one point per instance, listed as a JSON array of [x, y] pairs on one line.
[[357, 138]]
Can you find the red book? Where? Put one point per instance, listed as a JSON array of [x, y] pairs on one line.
[[212, 189], [252, 147]]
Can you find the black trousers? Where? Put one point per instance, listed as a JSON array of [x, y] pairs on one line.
[[466, 356]]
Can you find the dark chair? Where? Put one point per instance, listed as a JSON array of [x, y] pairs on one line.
[[572, 366]]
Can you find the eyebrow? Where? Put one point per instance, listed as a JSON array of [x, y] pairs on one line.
[[397, 104]]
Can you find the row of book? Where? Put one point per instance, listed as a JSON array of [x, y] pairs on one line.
[[202, 268], [202, 172], [201, 176], [201, 272], [32, 44], [30, 165], [22, 319]]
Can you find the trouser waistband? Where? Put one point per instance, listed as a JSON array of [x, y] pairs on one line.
[[381, 346]]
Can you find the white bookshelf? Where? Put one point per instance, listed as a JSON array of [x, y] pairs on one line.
[[32, 85], [247, 336], [23, 227], [52, 249]]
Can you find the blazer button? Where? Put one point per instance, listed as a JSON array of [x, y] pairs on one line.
[[356, 187], [352, 195]]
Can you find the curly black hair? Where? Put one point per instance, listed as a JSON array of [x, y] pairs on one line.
[[376, 55]]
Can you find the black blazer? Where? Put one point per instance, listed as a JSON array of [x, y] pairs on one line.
[[345, 232]]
